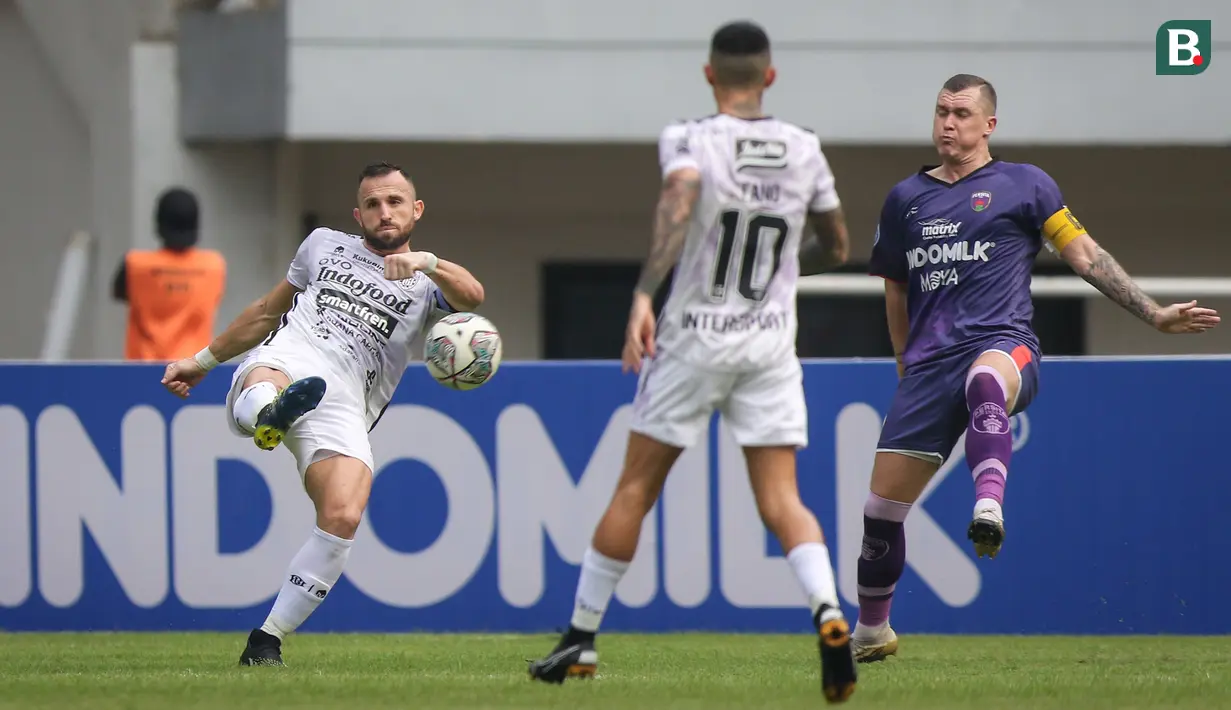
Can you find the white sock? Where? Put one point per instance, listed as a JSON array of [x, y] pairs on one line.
[[599, 576], [311, 575], [810, 562], [250, 402], [991, 506]]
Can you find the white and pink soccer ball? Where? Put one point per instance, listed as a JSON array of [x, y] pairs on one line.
[[462, 350]]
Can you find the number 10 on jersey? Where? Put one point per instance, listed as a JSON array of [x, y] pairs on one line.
[[747, 231]]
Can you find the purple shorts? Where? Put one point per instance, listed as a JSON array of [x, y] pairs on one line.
[[929, 412]]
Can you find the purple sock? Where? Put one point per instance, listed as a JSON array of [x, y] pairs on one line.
[[989, 442], [883, 557]]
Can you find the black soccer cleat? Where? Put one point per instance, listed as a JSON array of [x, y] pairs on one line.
[[299, 398], [568, 660], [838, 673], [262, 650], [987, 534]]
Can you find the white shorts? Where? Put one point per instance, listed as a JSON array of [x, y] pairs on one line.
[[336, 426], [675, 400]]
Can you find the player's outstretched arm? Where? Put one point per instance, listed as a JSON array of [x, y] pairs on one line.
[[829, 245], [254, 323], [250, 327], [1097, 266]]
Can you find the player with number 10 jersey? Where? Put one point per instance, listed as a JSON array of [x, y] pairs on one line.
[[732, 301], [738, 190]]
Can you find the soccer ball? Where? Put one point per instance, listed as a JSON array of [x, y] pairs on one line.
[[462, 350]]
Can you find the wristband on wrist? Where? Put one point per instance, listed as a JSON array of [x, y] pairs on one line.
[[432, 261], [206, 359]]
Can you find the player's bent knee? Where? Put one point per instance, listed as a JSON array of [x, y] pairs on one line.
[[341, 520], [902, 475], [339, 487], [1003, 368], [266, 374]]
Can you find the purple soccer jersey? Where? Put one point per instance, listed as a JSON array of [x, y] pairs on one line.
[[965, 250]]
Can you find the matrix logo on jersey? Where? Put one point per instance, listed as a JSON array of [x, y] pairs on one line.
[[757, 153], [939, 228], [359, 287], [1183, 47], [376, 319]]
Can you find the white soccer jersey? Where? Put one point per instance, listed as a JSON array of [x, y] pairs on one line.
[[360, 323], [732, 301]]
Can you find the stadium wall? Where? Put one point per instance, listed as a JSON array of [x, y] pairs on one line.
[[124, 508], [502, 209], [44, 186], [89, 131], [593, 70], [90, 123]]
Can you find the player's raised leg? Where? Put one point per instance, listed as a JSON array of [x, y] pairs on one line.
[[993, 384], [339, 487], [646, 465], [898, 478], [270, 404]]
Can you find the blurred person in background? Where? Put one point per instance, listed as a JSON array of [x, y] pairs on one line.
[[173, 292]]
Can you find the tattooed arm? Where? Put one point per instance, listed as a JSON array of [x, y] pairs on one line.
[[1099, 269], [829, 244], [671, 220], [1094, 264]]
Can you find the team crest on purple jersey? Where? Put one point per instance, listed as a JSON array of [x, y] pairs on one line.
[[980, 201]]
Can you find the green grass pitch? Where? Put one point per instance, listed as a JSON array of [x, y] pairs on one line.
[[701, 671]]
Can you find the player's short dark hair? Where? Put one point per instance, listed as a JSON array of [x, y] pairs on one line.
[[381, 169], [739, 54], [962, 82]]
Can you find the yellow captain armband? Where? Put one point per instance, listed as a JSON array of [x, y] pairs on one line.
[[1062, 228]]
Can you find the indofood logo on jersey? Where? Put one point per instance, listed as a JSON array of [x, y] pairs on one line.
[[359, 287]]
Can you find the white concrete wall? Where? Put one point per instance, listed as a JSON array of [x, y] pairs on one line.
[[44, 185], [86, 45], [580, 70]]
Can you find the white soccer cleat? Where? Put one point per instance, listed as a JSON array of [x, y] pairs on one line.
[[870, 644]]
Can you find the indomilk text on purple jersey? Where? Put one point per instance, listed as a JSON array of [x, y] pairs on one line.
[[965, 250], [732, 302]]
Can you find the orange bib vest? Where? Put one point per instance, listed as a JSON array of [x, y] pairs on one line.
[[172, 299]]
